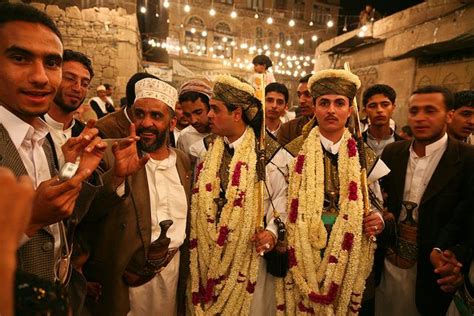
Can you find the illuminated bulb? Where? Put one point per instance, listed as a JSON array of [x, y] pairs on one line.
[[283, 55], [224, 39], [193, 30], [143, 10], [212, 12], [311, 23], [288, 43], [301, 41], [291, 23], [259, 50], [314, 38], [157, 15], [330, 23], [211, 49], [270, 20], [277, 45], [204, 33], [268, 53], [166, 4], [187, 8], [256, 16], [150, 42], [233, 14], [265, 47], [232, 43]]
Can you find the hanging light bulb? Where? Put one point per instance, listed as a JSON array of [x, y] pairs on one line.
[[301, 41], [265, 47], [193, 30], [277, 45], [233, 14], [224, 39], [166, 4], [288, 43], [212, 12], [270, 20], [311, 23], [187, 8], [204, 33], [232, 43], [256, 15], [142, 10], [157, 15], [291, 23], [330, 23], [314, 38]]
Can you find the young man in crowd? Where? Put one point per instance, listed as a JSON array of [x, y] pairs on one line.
[[461, 116], [276, 104]]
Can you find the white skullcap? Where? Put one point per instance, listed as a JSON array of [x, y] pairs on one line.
[[156, 89]]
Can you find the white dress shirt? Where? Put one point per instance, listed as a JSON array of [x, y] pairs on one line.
[[167, 201], [59, 135], [190, 136]]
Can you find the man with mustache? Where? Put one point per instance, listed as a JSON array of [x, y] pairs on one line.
[[292, 129], [123, 255], [429, 178], [194, 98], [276, 104], [461, 116], [323, 214], [77, 74], [379, 104]]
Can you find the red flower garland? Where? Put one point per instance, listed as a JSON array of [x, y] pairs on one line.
[[351, 147], [238, 201], [251, 287], [237, 172], [333, 259], [292, 257], [193, 243], [223, 233], [281, 307], [353, 191], [348, 241], [325, 299], [299, 164], [305, 309], [208, 187], [293, 210]]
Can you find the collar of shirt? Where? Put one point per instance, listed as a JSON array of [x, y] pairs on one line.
[[20, 131], [235, 144], [333, 148], [432, 148], [58, 125], [164, 164], [385, 138]]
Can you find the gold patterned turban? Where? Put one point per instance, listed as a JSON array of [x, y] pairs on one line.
[[334, 81], [236, 91]]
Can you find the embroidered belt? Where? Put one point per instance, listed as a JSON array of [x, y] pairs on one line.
[[405, 253]]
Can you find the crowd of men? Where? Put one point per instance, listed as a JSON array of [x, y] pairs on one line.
[[199, 200]]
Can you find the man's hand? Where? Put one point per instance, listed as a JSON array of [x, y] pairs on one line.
[[55, 200], [16, 203], [127, 161], [373, 224], [264, 241], [88, 146], [449, 269]]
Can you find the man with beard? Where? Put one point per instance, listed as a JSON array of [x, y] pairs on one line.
[[194, 98], [292, 129], [461, 116], [77, 74], [137, 277]]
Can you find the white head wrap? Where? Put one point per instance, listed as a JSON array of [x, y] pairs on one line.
[[156, 89]]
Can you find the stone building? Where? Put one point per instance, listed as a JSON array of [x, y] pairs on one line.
[[430, 43], [203, 45], [106, 31]]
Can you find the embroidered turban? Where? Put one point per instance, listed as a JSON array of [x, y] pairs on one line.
[[334, 81]]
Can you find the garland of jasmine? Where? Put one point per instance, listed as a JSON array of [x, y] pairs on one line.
[[332, 284], [223, 263]]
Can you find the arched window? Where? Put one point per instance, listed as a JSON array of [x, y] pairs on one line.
[[193, 36], [196, 22], [223, 28], [223, 44]]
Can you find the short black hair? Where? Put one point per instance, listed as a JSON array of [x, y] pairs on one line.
[[107, 86], [262, 60], [72, 55], [277, 87], [447, 94], [193, 96], [463, 98], [379, 89], [305, 79], [11, 12]]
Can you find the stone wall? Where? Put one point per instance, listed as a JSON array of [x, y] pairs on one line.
[[109, 37]]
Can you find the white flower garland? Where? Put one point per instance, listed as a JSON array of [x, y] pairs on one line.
[[223, 263], [332, 284]]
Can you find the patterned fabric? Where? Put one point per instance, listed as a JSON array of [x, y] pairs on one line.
[[156, 89]]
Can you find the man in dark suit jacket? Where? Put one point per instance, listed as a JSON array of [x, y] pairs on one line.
[[292, 129], [428, 179], [121, 241]]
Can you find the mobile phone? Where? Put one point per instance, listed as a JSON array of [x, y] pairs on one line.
[[68, 171]]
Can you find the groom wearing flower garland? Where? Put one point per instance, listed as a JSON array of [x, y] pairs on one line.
[[330, 252], [224, 246]]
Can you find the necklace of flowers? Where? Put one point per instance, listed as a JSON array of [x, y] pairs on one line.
[[331, 284], [223, 266]]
